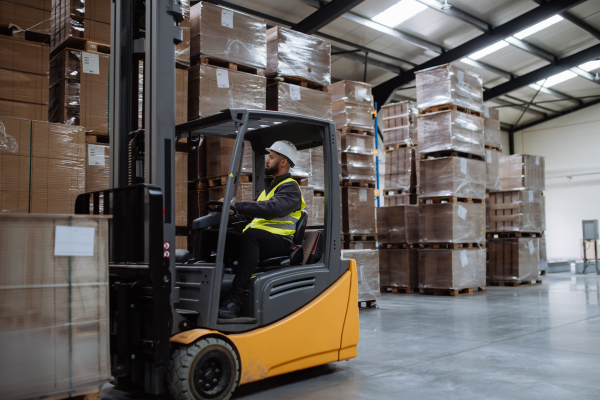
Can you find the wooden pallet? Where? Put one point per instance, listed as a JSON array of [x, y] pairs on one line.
[[452, 246], [452, 292], [450, 199], [509, 235], [95, 47], [222, 180], [299, 81], [319, 193], [446, 107], [227, 65], [397, 146], [514, 283], [358, 183], [451, 153], [402, 290], [97, 138], [357, 130], [81, 44], [542, 273], [398, 246], [359, 245], [487, 147], [367, 304], [302, 180], [358, 238], [395, 192], [84, 394]]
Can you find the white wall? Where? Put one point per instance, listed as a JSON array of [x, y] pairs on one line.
[[570, 145]]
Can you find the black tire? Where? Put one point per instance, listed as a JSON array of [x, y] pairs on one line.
[[209, 369]]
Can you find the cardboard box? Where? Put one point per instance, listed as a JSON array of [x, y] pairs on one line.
[[450, 130], [453, 177], [298, 55], [516, 211], [97, 10], [358, 210], [23, 87], [218, 157], [399, 199], [352, 115], [401, 169], [18, 54], [367, 265], [51, 299], [20, 14], [356, 143], [451, 269], [398, 224], [492, 170], [513, 259], [97, 166], [245, 192], [317, 174], [396, 109], [318, 211], [492, 134], [64, 28], [303, 168], [522, 171], [452, 223], [294, 99], [446, 84], [17, 109], [351, 91], [228, 35], [358, 167], [399, 268], [182, 50], [79, 96], [239, 90], [45, 5], [181, 95], [399, 121], [360, 245]]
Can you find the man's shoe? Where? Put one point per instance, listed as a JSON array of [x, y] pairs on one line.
[[230, 308]]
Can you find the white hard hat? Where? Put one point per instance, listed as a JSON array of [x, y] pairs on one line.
[[286, 148]]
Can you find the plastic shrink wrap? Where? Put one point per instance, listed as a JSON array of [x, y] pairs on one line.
[[181, 95], [446, 84], [358, 167], [317, 174], [355, 143], [54, 319], [25, 16], [295, 99], [452, 269], [399, 123], [298, 55], [399, 268], [308, 192], [453, 177], [97, 165], [352, 115], [398, 224], [218, 157], [47, 172], [450, 130], [492, 170], [492, 135], [351, 91], [319, 211], [367, 266], [399, 199], [302, 169], [83, 19], [516, 211], [452, 223], [228, 35], [513, 259], [522, 171], [401, 169], [79, 96], [213, 89], [543, 254], [358, 210], [182, 50]]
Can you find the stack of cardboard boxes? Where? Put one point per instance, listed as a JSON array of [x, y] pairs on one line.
[[76, 20], [32, 15], [452, 183], [516, 221], [492, 138]]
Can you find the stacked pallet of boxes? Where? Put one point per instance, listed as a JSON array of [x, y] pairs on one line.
[[401, 177], [76, 21], [31, 15], [452, 181], [517, 221], [299, 74]]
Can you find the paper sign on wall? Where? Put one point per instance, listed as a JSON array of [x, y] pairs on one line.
[[463, 166], [531, 196], [227, 18], [361, 94], [295, 92], [90, 63], [486, 111], [74, 241], [362, 195], [488, 156], [96, 155], [464, 261], [531, 248], [222, 78], [462, 212]]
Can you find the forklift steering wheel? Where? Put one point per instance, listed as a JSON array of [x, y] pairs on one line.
[[217, 206]]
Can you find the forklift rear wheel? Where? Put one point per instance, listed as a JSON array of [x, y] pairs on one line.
[[207, 370]]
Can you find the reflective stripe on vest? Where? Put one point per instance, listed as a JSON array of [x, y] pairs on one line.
[[279, 226]]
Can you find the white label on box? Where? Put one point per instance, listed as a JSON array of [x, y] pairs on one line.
[[227, 18], [531, 196], [360, 142], [295, 92], [464, 261], [463, 166], [460, 75], [362, 195], [361, 94], [486, 111], [222, 78], [74, 241], [537, 160], [488, 156], [96, 155], [358, 246], [90, 63], [531, 248], [462, 212]]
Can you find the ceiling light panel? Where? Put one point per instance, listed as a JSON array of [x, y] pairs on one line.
[[399, 13], [488, 50], [555, 79], [590, 65]]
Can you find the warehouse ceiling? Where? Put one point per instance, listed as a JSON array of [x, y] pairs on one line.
[[531, 40]]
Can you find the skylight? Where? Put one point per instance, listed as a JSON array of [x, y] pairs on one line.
[[488, 50], [554, 80], [399, 13], [590, 65], [538, 27]]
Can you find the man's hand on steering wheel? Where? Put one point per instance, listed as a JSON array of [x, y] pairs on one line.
[[217, 206]]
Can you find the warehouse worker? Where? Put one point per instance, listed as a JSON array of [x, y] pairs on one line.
[[275, 213]]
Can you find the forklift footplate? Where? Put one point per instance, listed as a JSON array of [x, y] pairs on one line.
[[240, 320]]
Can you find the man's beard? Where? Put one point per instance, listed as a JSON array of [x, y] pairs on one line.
[[270, 170]]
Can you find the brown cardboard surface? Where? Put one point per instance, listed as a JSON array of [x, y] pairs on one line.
[[399, 268], [358, 211], [22, 55], [516, 211], [492, 170], [451, 269], [401, 169], [522, 171], [17, 109], [319, 211], [452, 223], [367, 265], [398, 224], [446, 84], [351, 91], [453, 176], [218, 157], [513, 259], [352, 114], [304, 101], [81, 28], [23, 87], [450, 130], [24, 17], [358, 167]]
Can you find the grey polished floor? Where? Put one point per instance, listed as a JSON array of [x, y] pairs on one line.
[[536, 342]]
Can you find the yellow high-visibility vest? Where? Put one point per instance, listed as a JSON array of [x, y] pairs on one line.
[[279, 226]]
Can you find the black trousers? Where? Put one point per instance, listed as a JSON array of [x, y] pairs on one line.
[[248, 248]]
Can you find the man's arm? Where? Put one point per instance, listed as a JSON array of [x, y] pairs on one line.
[[285, 201]]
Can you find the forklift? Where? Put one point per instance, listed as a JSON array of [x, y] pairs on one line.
[[165, 333]]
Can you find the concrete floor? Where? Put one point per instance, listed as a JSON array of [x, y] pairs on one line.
[[536, 342]]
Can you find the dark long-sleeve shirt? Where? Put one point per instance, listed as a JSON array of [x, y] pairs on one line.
[[285, 200]]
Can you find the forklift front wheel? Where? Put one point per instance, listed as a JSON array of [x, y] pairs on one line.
[[207, 369]]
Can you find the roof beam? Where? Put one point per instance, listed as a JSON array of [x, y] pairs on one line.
[[361, 59], [545, 109], [576, 21], [487, 67], [323, 16], [519, 107], [559, 114], [543, 73], [457, 13], [383, 91]]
